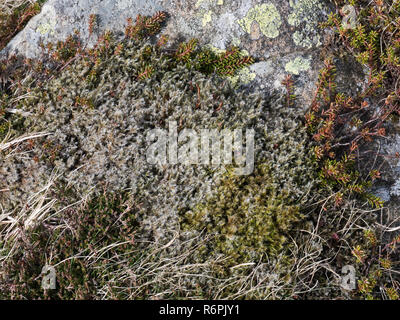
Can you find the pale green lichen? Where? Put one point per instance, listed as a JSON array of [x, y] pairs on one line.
[[236, 41], [245, 76], [244, 52], [302, 40], [199, 3], [215, 49], [206, 18], [268, 18], [46, 28], [298, 65], [307, 12]]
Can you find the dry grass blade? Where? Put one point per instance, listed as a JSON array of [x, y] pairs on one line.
[[8, 6], [33, 212], [4, 145]]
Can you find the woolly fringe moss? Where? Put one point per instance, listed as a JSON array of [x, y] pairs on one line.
[[248, 215], [99, 112]]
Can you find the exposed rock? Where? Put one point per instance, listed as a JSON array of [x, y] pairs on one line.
[[283, 35], [389, 188]]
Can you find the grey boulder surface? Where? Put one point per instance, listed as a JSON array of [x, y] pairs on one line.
[[284, 36]]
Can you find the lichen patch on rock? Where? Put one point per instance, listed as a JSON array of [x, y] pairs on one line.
[[306, 13], [266, 16], [298, 65]]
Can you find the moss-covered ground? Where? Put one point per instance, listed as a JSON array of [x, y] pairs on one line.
[[85, 200]]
